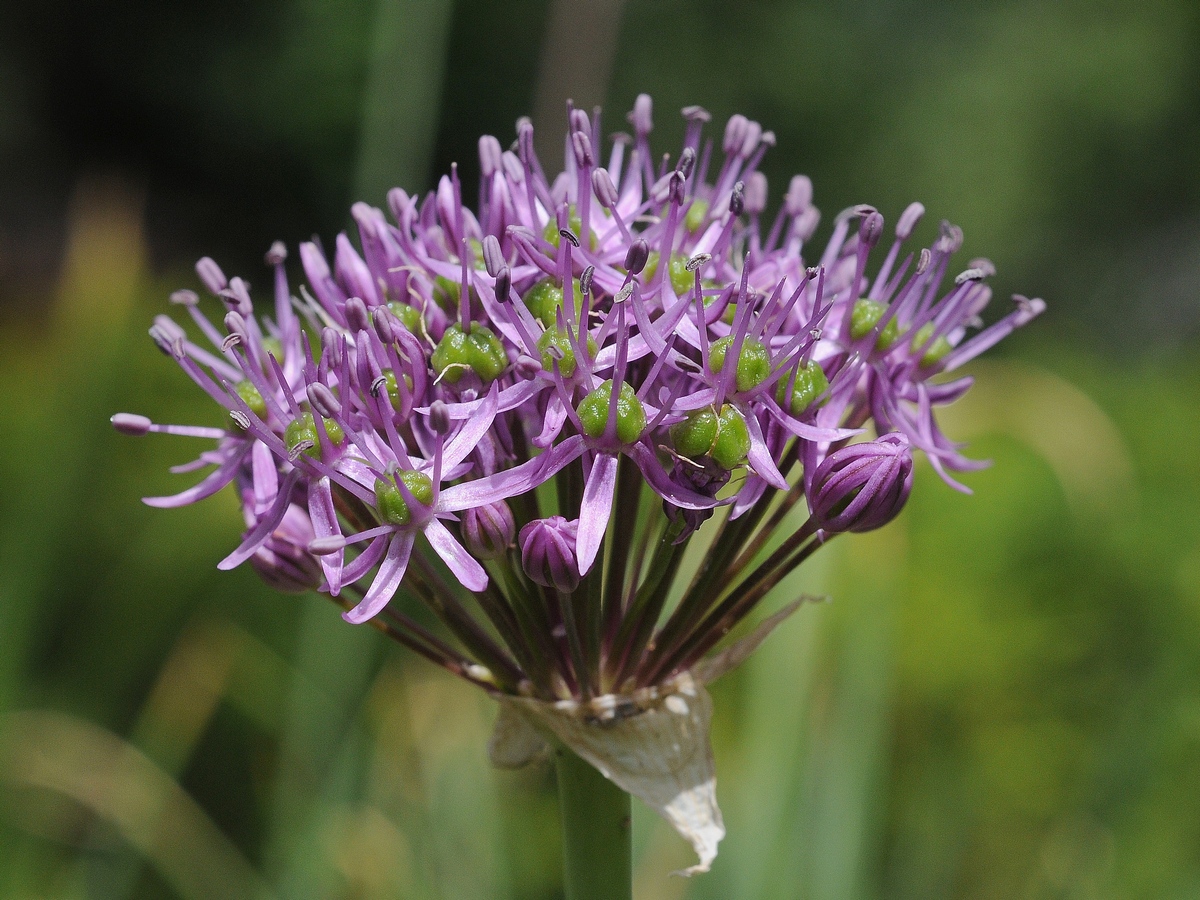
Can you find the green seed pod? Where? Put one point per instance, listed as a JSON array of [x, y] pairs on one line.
[[409, 316], [725, 438], [252, 398], [390, 502], [554, 343], [480, 351], [631, 415], [753, 365], [810, 383], [865, 316], [937, 350], [304, 429], [733, 439], [573, 222], [546, 296]]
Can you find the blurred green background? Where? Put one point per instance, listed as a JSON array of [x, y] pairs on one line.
[[1003, 698]]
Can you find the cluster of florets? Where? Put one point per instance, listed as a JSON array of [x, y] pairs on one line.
[[629, 327]]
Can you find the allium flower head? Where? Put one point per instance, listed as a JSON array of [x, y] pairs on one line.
[[520, 414]]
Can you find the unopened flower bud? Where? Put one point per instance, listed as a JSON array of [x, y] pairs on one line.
[[548, 552], [284, 561], [489, 530], [863, 486]]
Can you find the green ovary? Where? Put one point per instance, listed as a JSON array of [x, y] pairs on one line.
[[546, 296], [304, 429], [936, 351], [390, 502], [753, 365], [480, 350], [810, 383], [631, 415], [866, 316], [724, 438], [554, 343]]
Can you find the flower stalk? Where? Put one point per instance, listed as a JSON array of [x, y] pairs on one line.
[[597, 831]]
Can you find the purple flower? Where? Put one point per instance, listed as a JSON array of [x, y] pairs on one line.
[[561, 387]]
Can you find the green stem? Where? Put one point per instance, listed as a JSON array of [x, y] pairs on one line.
[[597, 832]]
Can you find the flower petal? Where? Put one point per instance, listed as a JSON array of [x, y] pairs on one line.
[[387, 580]]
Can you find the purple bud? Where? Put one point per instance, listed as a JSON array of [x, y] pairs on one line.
[[737, 200], [356, 315], [493, 256], [870, 229], [581, 144], [185, 298], [277, 254], [606, 191], [439, 417], [756, 194], [641, 118], [636, 256], [735, 133], [490, 153], [548, 552], [131, 424], [863, 486], [488, 530], [908, 220], [321, 398], [212, 276]]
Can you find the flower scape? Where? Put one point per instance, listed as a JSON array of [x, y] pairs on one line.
[[521, 415]]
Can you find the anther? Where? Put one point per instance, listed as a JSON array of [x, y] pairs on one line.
[[735, 133], [321, 398], [737, 200], [676, 187], [131, 424], [582, 145], [696, 114], [324, 546], [870, 229], [641, 118], [984, 264], [493, 256], [606, 191], [185, 298], [378, 385], [356, 315], [585, 280], [526, 366], [923, 260], [636, 256], [579, 121], [624, 293], [756, 194], [277, 253], [569, 235], [969, 275], [490, 155], [908, 220], [212, 276], [383, 324], [439, 418], [799, 195], [687, 161], [697, 261], [240, 419], [503, 284]]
